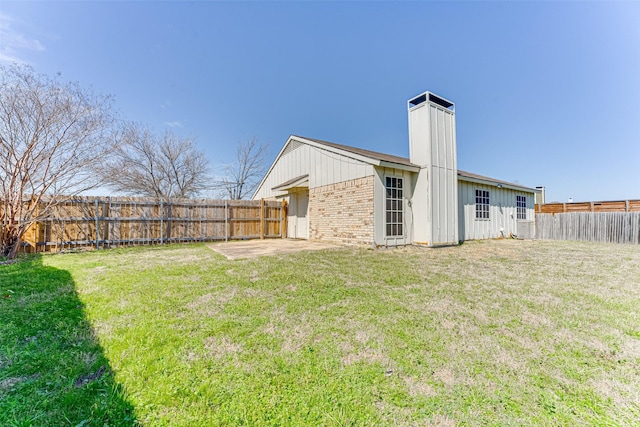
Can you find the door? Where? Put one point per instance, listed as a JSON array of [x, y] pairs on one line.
[[298, 224], [302, 209]]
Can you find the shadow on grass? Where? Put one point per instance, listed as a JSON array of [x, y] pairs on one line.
[[52, 368]]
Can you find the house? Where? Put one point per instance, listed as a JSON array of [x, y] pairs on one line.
[[338, 193]]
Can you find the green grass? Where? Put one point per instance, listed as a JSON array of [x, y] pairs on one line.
[[52, 369], [487, 333]]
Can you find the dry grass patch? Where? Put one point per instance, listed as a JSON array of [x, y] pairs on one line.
[[221, 347]]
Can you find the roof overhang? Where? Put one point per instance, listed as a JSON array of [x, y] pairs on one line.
[[399, 166], [297, 182], [479, 179]]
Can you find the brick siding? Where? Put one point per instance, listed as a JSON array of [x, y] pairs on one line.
[[343, 212]]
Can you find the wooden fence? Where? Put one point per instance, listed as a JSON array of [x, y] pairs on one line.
[[610, 206], [609, 227], [94, 222]]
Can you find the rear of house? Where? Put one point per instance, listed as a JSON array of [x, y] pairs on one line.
[[343, 194]]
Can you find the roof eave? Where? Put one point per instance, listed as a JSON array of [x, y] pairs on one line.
[[498, 184], [398, 166]]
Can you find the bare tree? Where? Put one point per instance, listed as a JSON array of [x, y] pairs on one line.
[[242, 177], [52, 134], [162, 166]]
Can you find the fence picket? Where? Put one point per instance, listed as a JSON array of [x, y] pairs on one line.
[[610, 227]]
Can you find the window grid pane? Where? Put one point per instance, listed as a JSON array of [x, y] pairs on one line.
[[521, 203], [482, 204], [394, 207]]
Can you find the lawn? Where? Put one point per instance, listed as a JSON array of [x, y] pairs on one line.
[[487, 333]]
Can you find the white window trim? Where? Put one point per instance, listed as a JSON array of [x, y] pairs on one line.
[[523, 207], [404, 210], [488, 204]]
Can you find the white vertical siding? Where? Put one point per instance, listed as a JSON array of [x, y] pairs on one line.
[[420, 152], [322, 166], [444, 179], [503, 213]]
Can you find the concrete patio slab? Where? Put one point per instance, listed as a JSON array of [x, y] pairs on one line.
[[266, 247]]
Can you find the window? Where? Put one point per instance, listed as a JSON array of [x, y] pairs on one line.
[[482, 204], [521, 204], [394, 207]]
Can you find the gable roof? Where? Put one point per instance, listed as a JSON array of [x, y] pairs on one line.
[[367, 156]]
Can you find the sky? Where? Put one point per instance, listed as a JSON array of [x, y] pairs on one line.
[[546, 93]]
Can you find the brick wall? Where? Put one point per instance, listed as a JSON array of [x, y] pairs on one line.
[[342, 212]]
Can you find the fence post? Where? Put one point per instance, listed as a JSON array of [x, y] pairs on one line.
[[262, 221], [97, 225], [161, 214], [106, 216], [169, 214], [226, 221]]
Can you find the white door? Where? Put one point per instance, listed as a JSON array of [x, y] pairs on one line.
[[298, 227], [302, 209]]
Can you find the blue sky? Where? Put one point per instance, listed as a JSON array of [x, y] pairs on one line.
[[546, 93]]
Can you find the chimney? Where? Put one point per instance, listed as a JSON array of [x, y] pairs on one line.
[[540, 196], [432, 146]]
